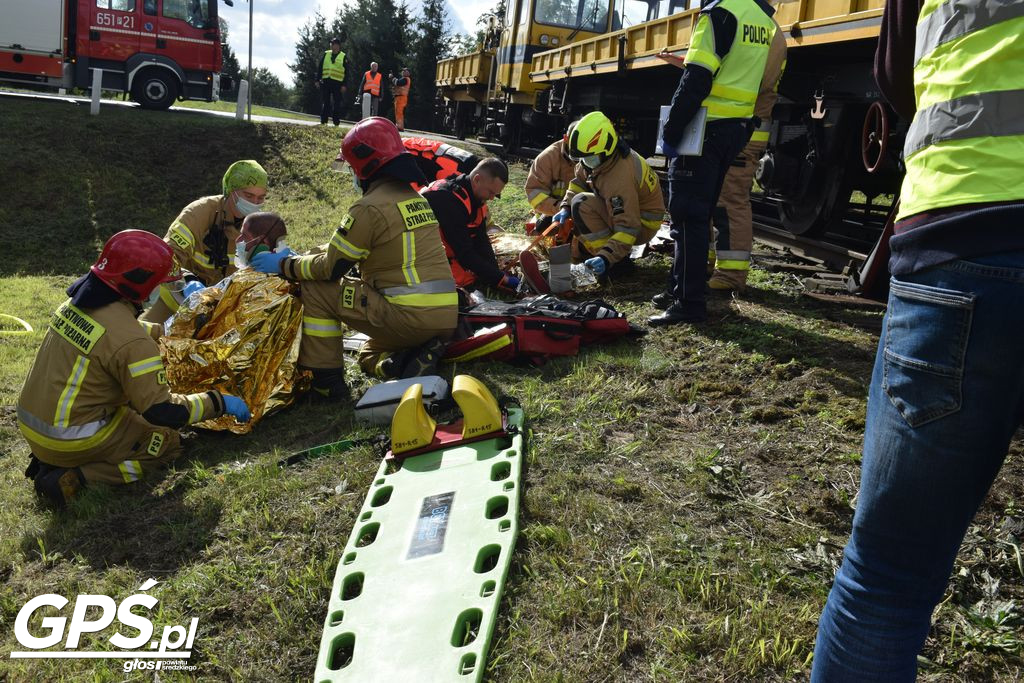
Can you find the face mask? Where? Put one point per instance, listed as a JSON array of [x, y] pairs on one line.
[[244, 206], [355, 181], [241, 260], [592, 161]]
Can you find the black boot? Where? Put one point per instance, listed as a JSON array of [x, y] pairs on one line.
[[58, 485], [423, 360], [663, 300], [677, 314], [330, 384]]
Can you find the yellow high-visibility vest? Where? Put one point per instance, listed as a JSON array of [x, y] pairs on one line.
[[966, 143], [334, 69]]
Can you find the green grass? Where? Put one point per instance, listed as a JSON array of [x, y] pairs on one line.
[[686, 495], [257, 109]]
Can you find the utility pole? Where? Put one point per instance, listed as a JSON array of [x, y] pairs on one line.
[[249, 98]]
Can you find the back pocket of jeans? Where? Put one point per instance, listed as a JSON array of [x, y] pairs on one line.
[[926, 335]]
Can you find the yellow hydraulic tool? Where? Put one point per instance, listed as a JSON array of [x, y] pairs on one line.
[[480, 411], [411, 427]]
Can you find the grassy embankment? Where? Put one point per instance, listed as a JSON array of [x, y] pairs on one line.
[[686, 496]]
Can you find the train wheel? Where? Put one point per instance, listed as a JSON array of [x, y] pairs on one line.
[[874, 139], [821, 207]]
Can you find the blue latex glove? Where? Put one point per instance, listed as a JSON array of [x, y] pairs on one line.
[[236, 407], [509, 282], [270, 261], [192, 287], [562, 216], [596, 264]]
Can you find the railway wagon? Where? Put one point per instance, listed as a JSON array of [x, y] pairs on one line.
[[832, 138]]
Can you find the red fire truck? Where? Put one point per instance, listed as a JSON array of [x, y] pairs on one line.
[[156, 50]]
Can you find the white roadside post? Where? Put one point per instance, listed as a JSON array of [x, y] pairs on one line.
[[243, 97], [97, 82]]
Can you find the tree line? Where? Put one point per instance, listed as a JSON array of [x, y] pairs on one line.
[[382, 31]]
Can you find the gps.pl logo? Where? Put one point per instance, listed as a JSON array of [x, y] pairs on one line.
[[174, 644]]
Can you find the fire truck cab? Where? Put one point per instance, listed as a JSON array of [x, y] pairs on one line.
[[156, 50]]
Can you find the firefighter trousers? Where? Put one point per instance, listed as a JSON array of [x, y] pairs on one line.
[[592, 226], [133, 450], [733, 219], [391, 328]]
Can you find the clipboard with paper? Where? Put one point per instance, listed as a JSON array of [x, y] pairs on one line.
[[692, 143]]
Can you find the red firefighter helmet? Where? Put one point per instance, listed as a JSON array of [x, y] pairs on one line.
[[133, 263], [370, 144]]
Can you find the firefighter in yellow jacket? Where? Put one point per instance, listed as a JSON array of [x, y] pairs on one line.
[[95, 406], [550, 175], [404, 299], [204, 233], [615, 199]]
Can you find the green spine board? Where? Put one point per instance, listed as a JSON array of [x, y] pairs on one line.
[[405, 618]]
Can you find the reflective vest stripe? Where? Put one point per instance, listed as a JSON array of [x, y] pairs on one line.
[[347, 248], [202, 259], [372, 84], [321, 327], [167, 296], [733, 260], [760, 136], [68, 439], [306, 268], [195, 408], [576, 187], [966, 141], [594, 236], [335, 70], [537, 197], [409, 258], [425, 294], [146, 366], [627, 237], [181, 235], [154, 330], [970, 116], [67, 398], [942, 22], [732, 93], [131, 470]]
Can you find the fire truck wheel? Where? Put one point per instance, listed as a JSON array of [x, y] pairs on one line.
[[155, 89]]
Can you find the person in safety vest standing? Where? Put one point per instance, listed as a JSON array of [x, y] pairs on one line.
[[550, 175], [615, 198], [723, 71], [400, 89], [332, 82], [404, 299], [460, 204], [95, 406], [369, 90], [733, 220], [947, 392], [203, 237]]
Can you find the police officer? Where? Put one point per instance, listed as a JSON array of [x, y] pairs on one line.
[[203, 236], [404, 299], [95, 406], [723, 71], [550, 175], [332, 82], [615, 198], [460, 204]]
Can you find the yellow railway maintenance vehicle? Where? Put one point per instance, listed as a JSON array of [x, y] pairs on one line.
[[831, 133]]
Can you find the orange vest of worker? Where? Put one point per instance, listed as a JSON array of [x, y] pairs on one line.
[[431, 150], [372, 83], [402, 90], [477, 221]]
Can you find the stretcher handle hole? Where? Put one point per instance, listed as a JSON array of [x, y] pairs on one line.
[[368, 534], [487, 558], [382, 496], [349, 558], [501, 470], [352, 586], [366, 515], [487, 590], [509, 485], [467, 665], [342, 649], [467, 627], [504, 525], [379, 482], [497, 507], [337, 617]]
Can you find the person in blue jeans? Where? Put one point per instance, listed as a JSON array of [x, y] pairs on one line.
[[947, 393]]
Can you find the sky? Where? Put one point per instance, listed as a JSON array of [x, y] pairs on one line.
[[276, 24]]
